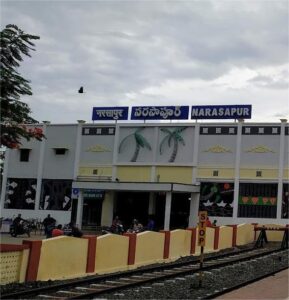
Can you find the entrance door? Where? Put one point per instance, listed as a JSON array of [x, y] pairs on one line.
[[91, 212]]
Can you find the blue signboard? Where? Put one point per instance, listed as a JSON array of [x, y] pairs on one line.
[[110, 113], [221, 112], [160, 112]]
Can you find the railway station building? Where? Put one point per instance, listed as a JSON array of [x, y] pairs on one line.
[[89, 173]]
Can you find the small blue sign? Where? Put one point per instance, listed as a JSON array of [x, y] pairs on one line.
[[110, 113], [221, 112], [160, 112], [75, 191]]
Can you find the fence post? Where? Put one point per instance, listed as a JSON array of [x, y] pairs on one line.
[[91, 253], [131, 247], [167, 234], [33, 260], [193, 239]]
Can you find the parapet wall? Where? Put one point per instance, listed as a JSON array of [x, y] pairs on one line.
[[68, 257]]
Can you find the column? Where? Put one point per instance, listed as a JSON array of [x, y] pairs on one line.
[[40, 167], [107, 209], [115, 153], [237, 172], [281, 169], [77, 149], [79, 209], [195, 154], [168, 210], [4, 178], [152, 206], [194, 209]]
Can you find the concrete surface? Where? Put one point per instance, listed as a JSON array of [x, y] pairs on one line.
[[273, 287]]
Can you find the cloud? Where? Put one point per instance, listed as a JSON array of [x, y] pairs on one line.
[[144, 53]]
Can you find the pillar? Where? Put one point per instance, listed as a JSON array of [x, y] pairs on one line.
[[4, 178], [281, 170], [107, 209], [79, 209], [237, 172], [194, 209], [152, 206], [168, 210]]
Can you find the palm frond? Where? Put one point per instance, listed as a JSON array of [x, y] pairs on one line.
[[123, 142]]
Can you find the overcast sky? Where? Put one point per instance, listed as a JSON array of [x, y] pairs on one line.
[[127, 53]]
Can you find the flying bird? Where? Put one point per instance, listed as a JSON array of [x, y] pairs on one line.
[[80, 91]]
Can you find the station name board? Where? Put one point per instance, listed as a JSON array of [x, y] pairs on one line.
[[160, 112], [110, 113], [172, 112], [221, 112]]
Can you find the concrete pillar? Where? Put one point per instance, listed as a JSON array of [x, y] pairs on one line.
[[281, 169], [77, 149], [152, 204], [40, 167], [107, 209], [194, 209], [168, 210], [4, 178], [237, 172], [79, 209]]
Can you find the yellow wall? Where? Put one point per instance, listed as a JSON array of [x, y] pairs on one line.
[[149, 248], [174, 174], [210, 237], [204, 172], [88, 171], [111, 253], [245, 234], [180, 243], [266, 173], [62, 257], [136, 174], [225, 237], [286, 174], [13, 266]]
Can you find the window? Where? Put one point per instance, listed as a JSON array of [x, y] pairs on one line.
[[247, 130], [86, 131], [205, 130], [261, 130], [215, 173], [232, 130], [94, 172], [275, 130], [60, 151], [98, 131], [218, 130], [258, 173], [24, 154]]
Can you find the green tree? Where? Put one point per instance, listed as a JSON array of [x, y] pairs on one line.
[[174, 136], [15, 44], [140, 141]]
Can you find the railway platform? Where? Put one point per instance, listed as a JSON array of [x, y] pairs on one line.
[[273, 287]]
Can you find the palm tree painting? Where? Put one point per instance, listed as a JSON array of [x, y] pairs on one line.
[[140, 141], [175, 137]]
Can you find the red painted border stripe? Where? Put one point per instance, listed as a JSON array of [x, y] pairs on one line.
[[33, 260], [10, 248], [234, 237], [216, 237], [167, 243], [91, 253], [131, 248], [193, 240]]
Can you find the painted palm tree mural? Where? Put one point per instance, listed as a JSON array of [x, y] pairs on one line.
[[140, 141], [172, 136]]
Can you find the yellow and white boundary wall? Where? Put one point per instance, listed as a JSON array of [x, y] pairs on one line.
[[66, 257]]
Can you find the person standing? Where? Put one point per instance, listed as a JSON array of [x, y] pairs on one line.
[[49, 224]]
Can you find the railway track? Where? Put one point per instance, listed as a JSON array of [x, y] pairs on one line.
[[92, 287]]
